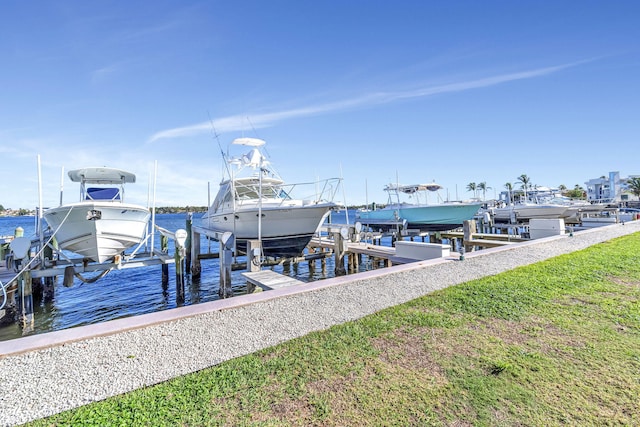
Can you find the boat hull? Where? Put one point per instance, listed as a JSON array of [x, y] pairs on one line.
[[285, 231], [520, 213], [440, 217], [98, 230]]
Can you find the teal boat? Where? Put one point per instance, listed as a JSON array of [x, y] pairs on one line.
[[419, 215]]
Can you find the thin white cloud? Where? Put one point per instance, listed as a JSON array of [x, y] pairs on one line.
[[143, 33], [103, 73], [238, 123]]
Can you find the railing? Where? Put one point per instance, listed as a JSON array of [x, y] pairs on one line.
[[320, 191]]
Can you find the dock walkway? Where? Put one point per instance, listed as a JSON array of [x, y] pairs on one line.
[[269, 279]]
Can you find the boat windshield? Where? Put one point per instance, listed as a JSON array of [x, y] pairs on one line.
[[252, 191], [97, 193]]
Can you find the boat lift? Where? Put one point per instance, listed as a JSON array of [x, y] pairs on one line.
[[39, 259]]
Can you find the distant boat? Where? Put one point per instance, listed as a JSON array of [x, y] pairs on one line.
[[101, 225], [421, 215], [576, 208], [527, 211], [254, 203]]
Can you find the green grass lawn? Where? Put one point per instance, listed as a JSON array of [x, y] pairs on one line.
[[554, 343]]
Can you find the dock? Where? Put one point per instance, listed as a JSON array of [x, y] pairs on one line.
[[269, 279], [352, 247], [31, 267]]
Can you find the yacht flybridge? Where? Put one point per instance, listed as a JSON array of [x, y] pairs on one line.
[[254, 203]]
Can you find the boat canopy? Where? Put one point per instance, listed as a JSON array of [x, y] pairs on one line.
[[251, 142], [98, 175]]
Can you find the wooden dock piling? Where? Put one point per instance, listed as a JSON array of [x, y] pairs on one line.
[[180, 238], [340, 251], [226, 259], [469, 229], [164, 248], [25, 301], [254, 252], [195, 265], [187, 244]]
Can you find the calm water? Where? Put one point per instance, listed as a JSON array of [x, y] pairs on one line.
[[131, 292]]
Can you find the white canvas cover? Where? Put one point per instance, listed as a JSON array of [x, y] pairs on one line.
[[101, 175]]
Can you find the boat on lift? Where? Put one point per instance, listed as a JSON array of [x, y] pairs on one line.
[[100, 225], [254, 203], [419, 213]]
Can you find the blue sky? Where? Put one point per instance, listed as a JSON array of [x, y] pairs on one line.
[[373, 91]]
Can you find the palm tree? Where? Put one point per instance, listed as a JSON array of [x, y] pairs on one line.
[[633, 184], [472, 187], [576, 193], [484, 187], [509, 187], [524, 180]]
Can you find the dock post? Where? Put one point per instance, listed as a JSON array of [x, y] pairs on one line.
[[47, 288], [37, 290], [227, 243], [226, 258], [353, 262], [469, 229], [179, 265], [253, 261], [339, 252], [187, 244], [25, 301], [323, 262], [312, 265], [164, 248], [179, 256], [196, 267]]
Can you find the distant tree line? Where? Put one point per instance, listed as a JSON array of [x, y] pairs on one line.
[[159, 210], [578, 192], [180, 209]]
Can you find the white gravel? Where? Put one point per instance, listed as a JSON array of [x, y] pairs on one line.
[[39, 383]]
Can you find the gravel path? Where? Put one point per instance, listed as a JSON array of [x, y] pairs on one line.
[[47, 374]]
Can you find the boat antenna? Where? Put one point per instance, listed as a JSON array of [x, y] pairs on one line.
[[216, 136], [366, 193], [153, 207], [255, 132], [40, 209], [344, 196]]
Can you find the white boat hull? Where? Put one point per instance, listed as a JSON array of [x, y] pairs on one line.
[[98, 230], [285, 230], [528, 212]]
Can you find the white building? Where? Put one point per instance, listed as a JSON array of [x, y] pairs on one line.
[[609, 190]]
